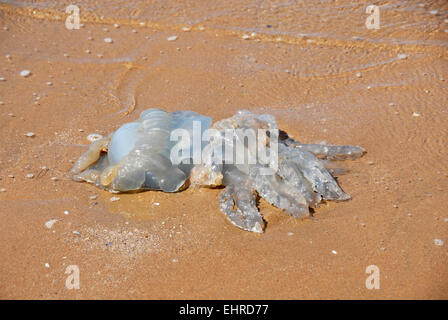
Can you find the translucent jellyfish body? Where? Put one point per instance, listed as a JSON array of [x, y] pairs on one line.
[[137, 155]]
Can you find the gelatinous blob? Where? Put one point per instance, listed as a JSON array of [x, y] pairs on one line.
[[138, 154], [243, 153]]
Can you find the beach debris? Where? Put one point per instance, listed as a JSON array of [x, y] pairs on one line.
[[334, 252], [138, 156], [415, 114], [49, 224], [47, 265], [2, 79], [30, 176], [113, 199], [30, 134], [94, 137], [402, 56], [186, 29], [25, 73], [108, 40], [66, 212], [2, 189], [172, 38], [438, 242]]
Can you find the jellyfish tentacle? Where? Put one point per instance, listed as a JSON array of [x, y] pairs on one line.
[[330, 152], [314, 171], [90, 156], [238, 203]]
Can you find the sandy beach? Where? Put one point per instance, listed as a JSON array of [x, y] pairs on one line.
[[314, 65]]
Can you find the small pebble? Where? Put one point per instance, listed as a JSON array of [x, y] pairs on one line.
[[25, 73], [245, 37], [2, 79], [54, 178], [77, 233], [30, 176], [290, 233], [66, 212], [92, 197], [156, 204], [186, 29], [108, 40], [113, 199], [434, 12], [30, 134], [49, 224], [94, 137], [334, 252], [358, 74], [175, 260], [49, 83], [47, 265], [2, 190], [11, 176], [402, 56], [172, 38], [438, 242], [415, 114]]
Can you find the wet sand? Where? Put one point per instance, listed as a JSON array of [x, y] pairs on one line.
[[316, 67]]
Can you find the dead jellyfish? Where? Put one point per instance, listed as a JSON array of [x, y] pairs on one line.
[[288, 174]]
